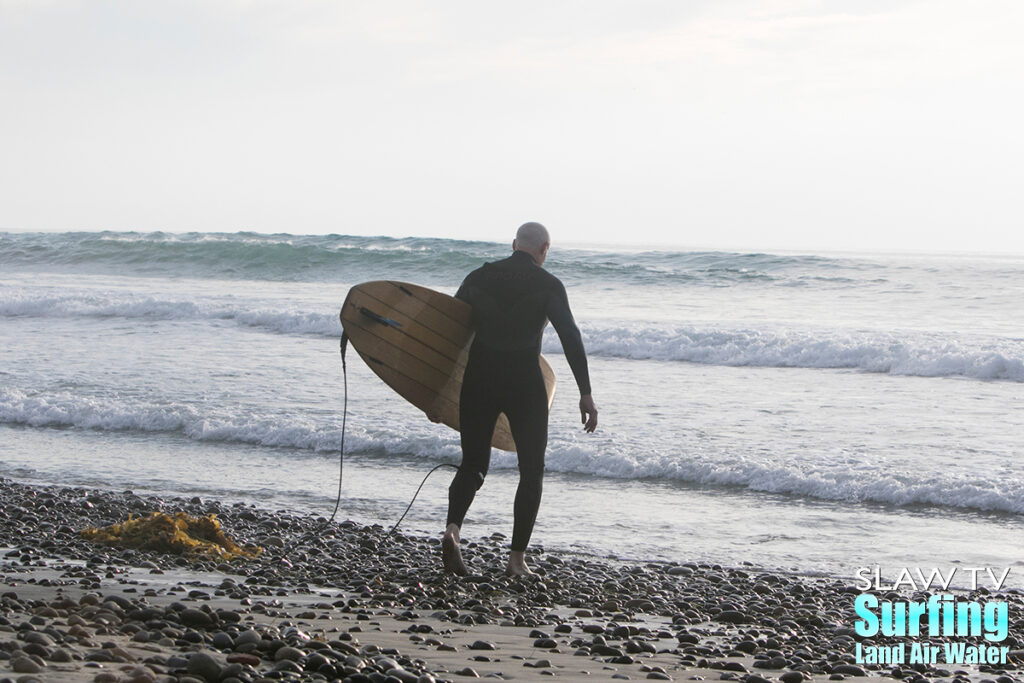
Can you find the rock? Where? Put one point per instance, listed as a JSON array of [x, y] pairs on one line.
[[482, 645], [849, 670], [249, 637], [39, 638], [792, 677], [731, 616], [403, 675], [288, 665], [545, 643], [195, 618], [25, 665], [140, 674], [221, 640], [176, 662], [293, 654], [204, 666]]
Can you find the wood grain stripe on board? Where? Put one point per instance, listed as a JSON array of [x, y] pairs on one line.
[[391, 355], [438, 348]]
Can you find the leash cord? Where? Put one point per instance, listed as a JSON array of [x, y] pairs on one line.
[[409, 507], [344, 419], [341, 450], [343, 345]]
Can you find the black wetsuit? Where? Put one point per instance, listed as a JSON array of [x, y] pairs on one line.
[[512, 300]]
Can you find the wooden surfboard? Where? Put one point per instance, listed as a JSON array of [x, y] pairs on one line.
[[417, 341]]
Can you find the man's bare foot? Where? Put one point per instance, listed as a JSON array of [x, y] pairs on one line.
[[517, 564], [451, 555]]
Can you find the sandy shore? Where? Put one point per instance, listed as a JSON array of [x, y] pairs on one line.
[[348, 602]]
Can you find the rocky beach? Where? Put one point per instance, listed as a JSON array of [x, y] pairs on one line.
[[351, 602]]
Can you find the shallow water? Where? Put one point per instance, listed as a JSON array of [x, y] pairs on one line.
[[808, 412]]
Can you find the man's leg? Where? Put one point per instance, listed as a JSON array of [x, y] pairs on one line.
[[528, 420], [478, 414]]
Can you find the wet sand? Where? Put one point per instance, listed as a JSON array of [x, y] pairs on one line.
[[350, 602]]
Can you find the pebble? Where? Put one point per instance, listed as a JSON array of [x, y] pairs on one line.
[[204, 666], [794, 626], [849, 670], [25, 665], [290, 653]]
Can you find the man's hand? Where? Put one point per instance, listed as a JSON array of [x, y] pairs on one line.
[[588, 413]]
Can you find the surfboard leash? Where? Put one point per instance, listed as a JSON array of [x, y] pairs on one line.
[[341, 455], [341, 461], [342, 347], [414, 496]]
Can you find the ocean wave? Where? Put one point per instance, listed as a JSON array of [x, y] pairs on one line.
[[906, 353], [21, 303], [832, 478], [831, 481], [335, 258]]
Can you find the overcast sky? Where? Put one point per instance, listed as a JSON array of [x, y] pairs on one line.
[[774, 124]]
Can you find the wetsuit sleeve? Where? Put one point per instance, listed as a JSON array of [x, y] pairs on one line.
[[468, 290], [464, 289], [569, 334]]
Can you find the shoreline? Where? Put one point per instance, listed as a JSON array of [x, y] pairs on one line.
[[349, 603]]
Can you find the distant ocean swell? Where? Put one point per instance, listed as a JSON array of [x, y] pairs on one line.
[[335, 258], [837, 481], [895, 353]]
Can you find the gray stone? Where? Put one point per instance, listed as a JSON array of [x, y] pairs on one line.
[[293, 654], [25, 665], [731, 616], [194, 617], [250, 637], [849, 670], [204, 666]]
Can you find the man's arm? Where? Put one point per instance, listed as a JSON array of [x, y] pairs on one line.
[[561, 318]]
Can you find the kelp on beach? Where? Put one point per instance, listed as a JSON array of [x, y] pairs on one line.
[[180, 534]]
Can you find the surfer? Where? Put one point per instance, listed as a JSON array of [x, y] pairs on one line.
[[512, 301]]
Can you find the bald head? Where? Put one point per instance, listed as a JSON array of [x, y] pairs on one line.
[[533, 238]]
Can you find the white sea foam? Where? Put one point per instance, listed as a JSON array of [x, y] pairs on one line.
[[905, 353], [908, 353], [14, 302], [837, 478]]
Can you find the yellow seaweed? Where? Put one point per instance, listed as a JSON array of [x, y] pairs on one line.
[[181, 534]]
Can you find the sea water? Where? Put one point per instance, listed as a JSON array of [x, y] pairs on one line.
[[797, 411]]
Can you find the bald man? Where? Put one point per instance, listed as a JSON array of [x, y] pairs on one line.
[[513, 300]]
